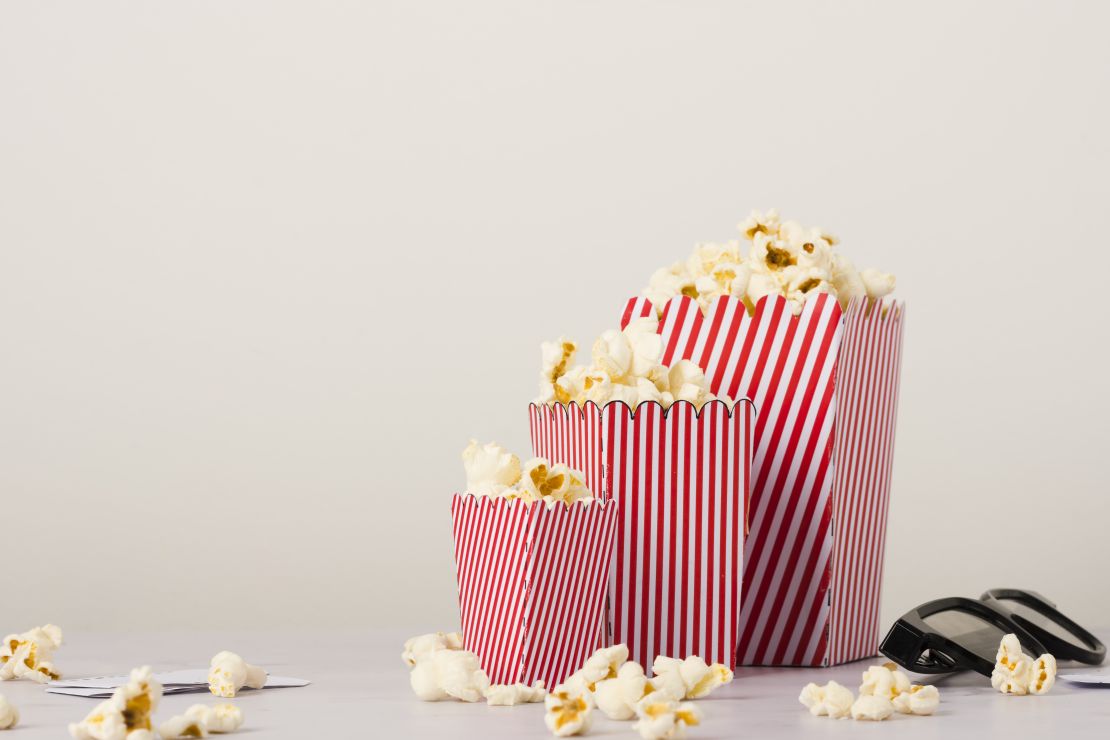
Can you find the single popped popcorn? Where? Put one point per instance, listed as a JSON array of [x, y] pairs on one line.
[[667, 282], [420, 646], [507, 695], [831, 700], [104, 722], [693, 677], [884, 680], [663, 717], [568, 711], [1012, 667], [877, 284], [872, 707], [127, 714], [557, 358], [9, 715], [1042, 674], [30, 654], [138, 698], [449, 674], [922, 700], [617, 697], [490, 468], [218, 719], [629, 352], [183, 726], [602, 665], [759, 223], [228, 673]]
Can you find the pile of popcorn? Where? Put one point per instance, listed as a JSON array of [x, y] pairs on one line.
[[626, 365], [884, 691], [782, 258], [493, 471], [442, 670], [1016, 673]]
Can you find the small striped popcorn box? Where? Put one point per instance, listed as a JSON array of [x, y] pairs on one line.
[[826, 386], [531, 584], [680, 479]]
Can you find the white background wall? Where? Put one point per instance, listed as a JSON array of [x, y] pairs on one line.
[[266, 266]]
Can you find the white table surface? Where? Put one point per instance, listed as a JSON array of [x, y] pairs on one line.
[[360, 690]]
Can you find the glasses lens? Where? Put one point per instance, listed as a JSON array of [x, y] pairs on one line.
[[1043, 621], [969, 631]]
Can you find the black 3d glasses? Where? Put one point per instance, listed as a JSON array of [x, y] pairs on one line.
[[957, 633]]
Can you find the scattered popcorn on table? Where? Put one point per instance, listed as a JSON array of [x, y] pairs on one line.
[[663, 717], [567, 711], [1016, 673], [784, 258], [29, 655], [183, 726], [872, 707], [126, 715], [490, 468], [228, 673], [449, 674], [884, 690], [508, 695], [9, 715], [617, 697], [920, 700], [626, 366], [830, 700], [417, 647], [693, 677]]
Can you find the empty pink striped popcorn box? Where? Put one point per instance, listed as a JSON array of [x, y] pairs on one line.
[[825, 384], [531, 580], [679, 478]]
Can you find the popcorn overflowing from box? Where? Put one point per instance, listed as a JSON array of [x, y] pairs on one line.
[[532, 552], [787, 334]]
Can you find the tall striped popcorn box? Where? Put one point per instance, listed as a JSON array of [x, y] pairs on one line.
[[826, 386], [532, 584], [680, 480]]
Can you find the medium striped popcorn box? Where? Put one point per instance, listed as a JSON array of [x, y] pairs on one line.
[[826, 386], [680, 478], [531, 584]]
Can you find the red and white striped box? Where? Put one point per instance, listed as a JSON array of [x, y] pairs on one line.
[[531, 584], [680, 478], [826, 386]]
